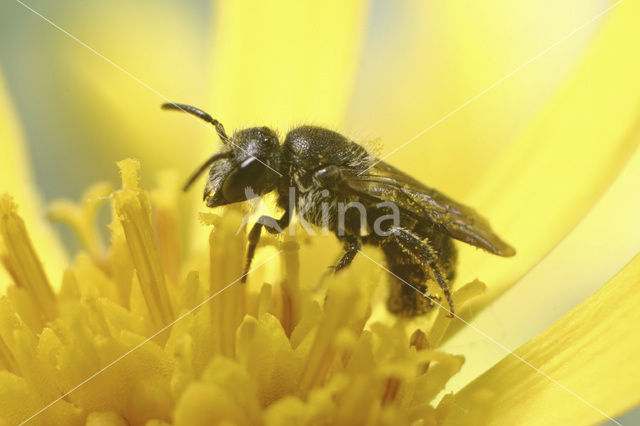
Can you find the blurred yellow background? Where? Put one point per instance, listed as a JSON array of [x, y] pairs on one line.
[[417, 62], [483, 80]]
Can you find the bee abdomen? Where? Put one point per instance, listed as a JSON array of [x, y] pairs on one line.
[[408, 295]]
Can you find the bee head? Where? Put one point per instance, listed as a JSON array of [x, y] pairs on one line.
[[248, 166]]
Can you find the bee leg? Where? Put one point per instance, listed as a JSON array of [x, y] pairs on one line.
[[273, 226], [351, 247], [423, 252]]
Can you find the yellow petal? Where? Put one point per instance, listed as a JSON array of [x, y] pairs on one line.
[[424, 60], [16, 178], [565, 159], [283, 62], [592, 352], [537, 191], [513, 322]]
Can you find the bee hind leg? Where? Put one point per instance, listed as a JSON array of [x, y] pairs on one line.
[[421, 251]]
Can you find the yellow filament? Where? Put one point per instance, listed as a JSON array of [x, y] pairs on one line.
[[134, 211], [229, 306], [80, 217], [22, 262], [167, 221]]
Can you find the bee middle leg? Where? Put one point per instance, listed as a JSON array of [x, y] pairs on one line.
[[352, 246], [421, 251], [273, 226]]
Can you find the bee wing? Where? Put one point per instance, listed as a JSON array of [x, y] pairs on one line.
[[384, 182]]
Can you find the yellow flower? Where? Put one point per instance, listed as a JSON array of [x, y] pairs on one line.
[[113, 346], [155, 331]]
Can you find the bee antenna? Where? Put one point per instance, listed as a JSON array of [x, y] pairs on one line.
[[201, 115], [204, 166]]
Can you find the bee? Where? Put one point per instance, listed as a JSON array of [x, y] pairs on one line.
[[315, 164]]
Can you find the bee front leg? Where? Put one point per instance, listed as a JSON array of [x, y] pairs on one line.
[[424, 253], [273, 226]]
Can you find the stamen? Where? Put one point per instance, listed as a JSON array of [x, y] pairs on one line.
[[419, 341], [226, 266], [167, 223], [461, 297], [339, 305], [290, 288], [7, 360], [134, 211], [119, 262], [21, 260], [81, 217], [391, 387]]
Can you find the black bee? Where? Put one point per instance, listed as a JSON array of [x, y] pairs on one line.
[[315, 164]]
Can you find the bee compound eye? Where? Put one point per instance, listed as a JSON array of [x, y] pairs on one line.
[[245, 181]]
